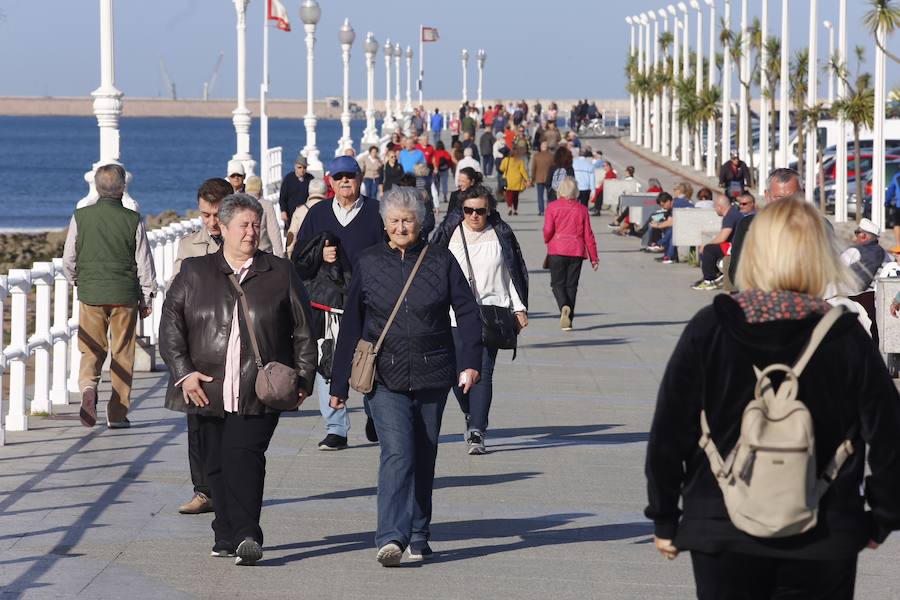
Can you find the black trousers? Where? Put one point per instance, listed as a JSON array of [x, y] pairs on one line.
[[584, 196], [712, 254], [236, 470], [195, 457], [732, 576], [565, 271]]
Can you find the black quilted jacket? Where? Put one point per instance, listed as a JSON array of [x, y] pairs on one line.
[[418, 352]]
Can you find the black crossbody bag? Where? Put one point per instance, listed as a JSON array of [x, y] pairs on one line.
[[499, 328]]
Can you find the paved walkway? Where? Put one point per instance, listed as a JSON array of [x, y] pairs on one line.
[[554, 511]]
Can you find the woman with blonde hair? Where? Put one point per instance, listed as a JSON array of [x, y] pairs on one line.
[[789, 264]]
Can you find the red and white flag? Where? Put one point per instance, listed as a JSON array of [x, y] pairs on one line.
[[278, 13], [430, 34]]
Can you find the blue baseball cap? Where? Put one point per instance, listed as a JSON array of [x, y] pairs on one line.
[[344, 164]]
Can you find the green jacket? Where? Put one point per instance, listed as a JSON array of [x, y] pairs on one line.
[[105, 253]]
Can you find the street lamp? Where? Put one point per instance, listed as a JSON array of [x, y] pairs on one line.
[[699, 84], [664, 127], [827, 25], [346, 36], [763, 93], [676, 75], [310, 14], [388, 125], [639, 99], [784, 89], [654, 130], [370, 135], [465, 70], [241, 114], [409, 56], [482, 56], [726, 88], [840, 202], [744, 146], [398, 54], [711, 123], [811, 95], [631, 106], [685, 47]]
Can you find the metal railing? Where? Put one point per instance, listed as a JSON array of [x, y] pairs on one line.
[[51, 346]]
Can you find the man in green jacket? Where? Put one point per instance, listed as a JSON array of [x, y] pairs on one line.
[[108, 257]]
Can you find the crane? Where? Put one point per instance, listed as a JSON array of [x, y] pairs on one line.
[[209, 85], [167, 82]]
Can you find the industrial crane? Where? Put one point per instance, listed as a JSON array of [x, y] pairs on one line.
[[209, 85]]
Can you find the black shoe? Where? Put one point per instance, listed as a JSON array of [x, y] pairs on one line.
[[123, 424], [333, 441], [248, 552], [222, 550], [371, 434]]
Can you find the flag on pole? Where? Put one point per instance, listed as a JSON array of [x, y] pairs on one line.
[[277, 12], [430, 34]]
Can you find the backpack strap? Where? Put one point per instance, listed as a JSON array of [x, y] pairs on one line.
[[818, 334], [709, 447]]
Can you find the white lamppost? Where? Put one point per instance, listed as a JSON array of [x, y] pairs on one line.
[[827, 25], [878, 147], [241, 118], [409, 56], [388, 125], [840, 197], [654, 130], [370, 135], [763, 110], [465, 71], [631, 105], [685, 59], [648, 131], [398, 54], [744, 145], [698, 159], [811, 95], [310, 14], [482, 56], [784, 144], [346, 36], [638, 125], [726, 88], [711, 124], [676, 75], [664, 127]]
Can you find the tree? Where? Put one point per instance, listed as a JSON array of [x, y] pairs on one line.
[[688, 107], [799, 87], [773, 76], [734, 43], [884, 15], [812, 115], [858, 107]]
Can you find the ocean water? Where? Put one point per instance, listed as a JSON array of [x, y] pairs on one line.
[[43, 160]]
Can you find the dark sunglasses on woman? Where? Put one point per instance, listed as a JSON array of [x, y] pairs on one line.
[[478, 211]]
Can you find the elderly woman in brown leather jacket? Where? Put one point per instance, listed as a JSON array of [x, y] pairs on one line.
[[205, 343]]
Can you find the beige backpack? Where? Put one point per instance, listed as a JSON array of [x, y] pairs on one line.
[[769, 479]]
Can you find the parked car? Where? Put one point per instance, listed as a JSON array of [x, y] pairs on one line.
[[891, 167]]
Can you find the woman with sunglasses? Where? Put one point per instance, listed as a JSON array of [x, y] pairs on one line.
[[500, 279]]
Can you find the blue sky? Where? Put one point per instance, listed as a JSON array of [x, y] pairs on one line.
[[563, 49]]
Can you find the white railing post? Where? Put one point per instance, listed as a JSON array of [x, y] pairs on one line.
[[19, 281], [74, 352], [158, 246], [59, 334], [39, 343], [3, 292], [169, 251]]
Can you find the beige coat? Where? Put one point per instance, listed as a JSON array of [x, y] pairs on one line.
[[269, 231], [297, 221], [197, 244]]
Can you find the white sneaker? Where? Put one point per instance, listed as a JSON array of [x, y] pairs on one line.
[[389, 555]]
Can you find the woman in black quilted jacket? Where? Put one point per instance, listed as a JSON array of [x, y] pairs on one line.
[[415, 368]]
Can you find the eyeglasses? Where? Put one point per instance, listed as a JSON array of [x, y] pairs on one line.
[[236, 175], [744, 204], [342, 176], [478, 211]]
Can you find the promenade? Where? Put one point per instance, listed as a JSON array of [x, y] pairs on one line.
[[553, 511]]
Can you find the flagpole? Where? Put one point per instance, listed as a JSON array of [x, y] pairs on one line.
[[263, 117], [421, 61]]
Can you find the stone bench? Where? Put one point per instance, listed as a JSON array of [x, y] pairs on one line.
[[613, 189], [886, 289], [693, 226]]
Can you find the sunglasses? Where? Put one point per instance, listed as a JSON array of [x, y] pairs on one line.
[[743, 204], [342, 176], [478, 211]]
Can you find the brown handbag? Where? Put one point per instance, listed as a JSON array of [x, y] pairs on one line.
[[362, 370], [277, 384]]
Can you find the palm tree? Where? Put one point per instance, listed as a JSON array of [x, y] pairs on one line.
[[773, 76], [858, 107], [799, 87], [688, 104], [734, 41], [813, 115], [885, 14]]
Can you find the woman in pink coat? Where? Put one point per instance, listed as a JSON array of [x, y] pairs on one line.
[[569, 239]]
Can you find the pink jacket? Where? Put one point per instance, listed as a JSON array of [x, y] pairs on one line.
[[567, 230]]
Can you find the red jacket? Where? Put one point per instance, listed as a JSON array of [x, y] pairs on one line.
[[567, 230]]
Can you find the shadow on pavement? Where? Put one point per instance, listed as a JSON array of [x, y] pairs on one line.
[[578, 342], [559, 437], [635, 324]]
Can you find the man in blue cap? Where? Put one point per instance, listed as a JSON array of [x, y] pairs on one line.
[[354, 220]]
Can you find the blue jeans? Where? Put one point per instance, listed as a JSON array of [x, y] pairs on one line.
[[477, 403], [442, 178], [666, 242], [408, 425], [336, 421], [371, 187], [541, 188], [487, 165]]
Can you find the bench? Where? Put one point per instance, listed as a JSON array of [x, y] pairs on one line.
[[694, 226], [614, 188]]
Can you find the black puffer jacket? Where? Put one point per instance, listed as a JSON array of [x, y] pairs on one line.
[[196, 323], [418, 352], [512, 252], [326, 283]]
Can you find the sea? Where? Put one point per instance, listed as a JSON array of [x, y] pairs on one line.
[[43, 161]]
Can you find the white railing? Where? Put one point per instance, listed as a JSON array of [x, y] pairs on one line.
[[52, 346], [272, 177]]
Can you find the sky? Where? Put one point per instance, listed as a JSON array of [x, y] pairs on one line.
[[562, 49]]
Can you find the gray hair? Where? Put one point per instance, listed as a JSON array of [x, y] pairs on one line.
[[400, 198], [109, 181], [783, 175], [467, 151], [236, 203], [318, 187]]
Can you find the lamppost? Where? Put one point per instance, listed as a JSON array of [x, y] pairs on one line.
[[699, 84], [827, 25], [654, 131], [726, 88], [398, 54], [685, 59], [781, 154], [840, 197], [664, 127], [676, 76], [631, 106], [409, 56], [346, 36], [638, 125], [744, 114], [465, 70], [811, 95], [370, 135], [648, 131], [482, 56], [241, 118], [388, 125], [878, 147], [763, 93], [711, 123], [310, 14]]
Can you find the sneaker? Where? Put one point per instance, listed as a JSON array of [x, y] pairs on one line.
[[613, 225], [248, 552], [565, 318], [333, 441], [200, 503], [720, 279], [88, 412], [123, 424], [221, 550], [705, 285], [371, 434], [475, 443], [655, 248], [389, 555], [667, 260], [419, 551]]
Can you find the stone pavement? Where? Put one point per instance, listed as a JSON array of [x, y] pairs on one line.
[[555, 510]]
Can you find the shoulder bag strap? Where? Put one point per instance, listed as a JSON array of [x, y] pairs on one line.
[[394, 312], [246, 310], [462, 234], [818, 334]]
